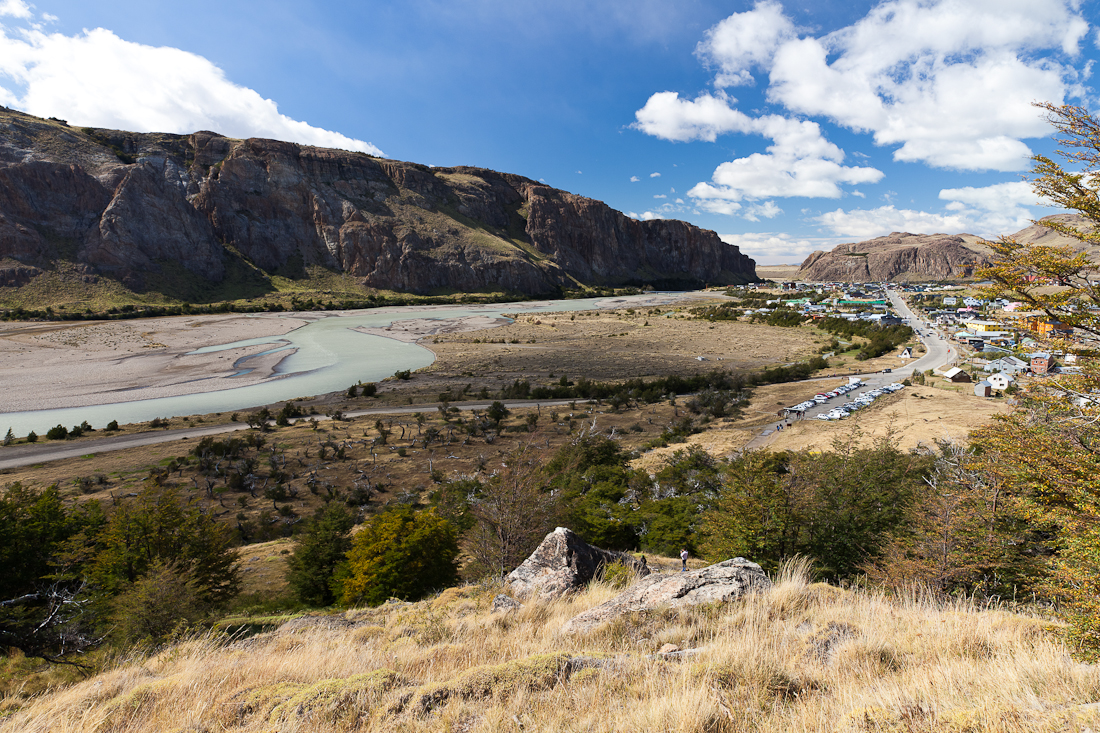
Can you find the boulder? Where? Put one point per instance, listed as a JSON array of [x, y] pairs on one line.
[[563, 563], [726, 581]]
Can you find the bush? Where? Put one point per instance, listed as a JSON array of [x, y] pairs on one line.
[[57, 432], [112, 426], [403, 374], [370, 389], [165, 600], [400, 553], [32, 437]]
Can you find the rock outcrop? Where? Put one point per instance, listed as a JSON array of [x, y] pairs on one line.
[[898, 257], [913, 257], [128, 205], [726, 581], [563, 563]]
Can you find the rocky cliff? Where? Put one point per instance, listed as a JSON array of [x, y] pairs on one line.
[[906, 257], [128, 206], [898, 256]]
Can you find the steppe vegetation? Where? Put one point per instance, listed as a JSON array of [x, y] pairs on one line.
[[803, 656]]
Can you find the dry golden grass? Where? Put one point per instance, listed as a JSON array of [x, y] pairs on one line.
[[801, 657]]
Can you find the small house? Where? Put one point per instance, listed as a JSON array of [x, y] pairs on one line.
[[983, 389], [906, 353], [999, 381], [955, 374], [1008, 365]]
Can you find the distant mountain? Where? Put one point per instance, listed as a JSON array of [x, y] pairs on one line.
[[913, 257], [153, 211]]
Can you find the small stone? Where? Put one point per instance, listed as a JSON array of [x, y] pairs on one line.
[[504, 604], [668, 649]]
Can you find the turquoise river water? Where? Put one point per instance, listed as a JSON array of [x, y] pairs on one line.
[[327, 356]]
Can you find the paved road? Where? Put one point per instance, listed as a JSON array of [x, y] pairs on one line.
[[15, 456], [938, 352]]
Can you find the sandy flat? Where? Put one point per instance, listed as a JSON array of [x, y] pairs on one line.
[[414, 329], [50, 365]]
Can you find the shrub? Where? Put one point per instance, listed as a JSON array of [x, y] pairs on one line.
[[161, 602], [400, 553], [32, 437], [112, 426], [403, 374], [57, 432], [370, 389]]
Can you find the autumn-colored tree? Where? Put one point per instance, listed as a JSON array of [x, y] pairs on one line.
[[400, 553], [1026, 273], [1048, 450], [1048, 453]]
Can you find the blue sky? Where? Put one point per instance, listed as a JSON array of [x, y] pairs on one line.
[[785, 126]]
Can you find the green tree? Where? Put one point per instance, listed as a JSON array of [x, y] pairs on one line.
[[319, 552], [43, 601], [497, 412], [755, 515], [159, 525], [400, 553]]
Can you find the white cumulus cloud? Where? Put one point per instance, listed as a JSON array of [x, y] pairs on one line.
[[776, 248], [15, 9], [654, 175], [950, 83], [988, 211], [634, 179], [745, 40], [945, 83], [98, 79]]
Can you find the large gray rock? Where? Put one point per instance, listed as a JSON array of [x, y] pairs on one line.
[[563, 563], [726, 581]]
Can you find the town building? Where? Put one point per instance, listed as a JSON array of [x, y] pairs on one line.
[[1041, 362]]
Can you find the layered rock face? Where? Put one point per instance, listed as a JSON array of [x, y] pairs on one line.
[[127, 204], [898, 256]]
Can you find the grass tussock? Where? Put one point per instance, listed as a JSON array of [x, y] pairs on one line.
[[800, 657]]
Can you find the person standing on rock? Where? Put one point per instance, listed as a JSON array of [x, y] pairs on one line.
[[683, 561]]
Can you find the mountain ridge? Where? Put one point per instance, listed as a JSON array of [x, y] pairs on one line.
[[129, 206]]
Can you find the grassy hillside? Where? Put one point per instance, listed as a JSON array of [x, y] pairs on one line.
[[801, 657]]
